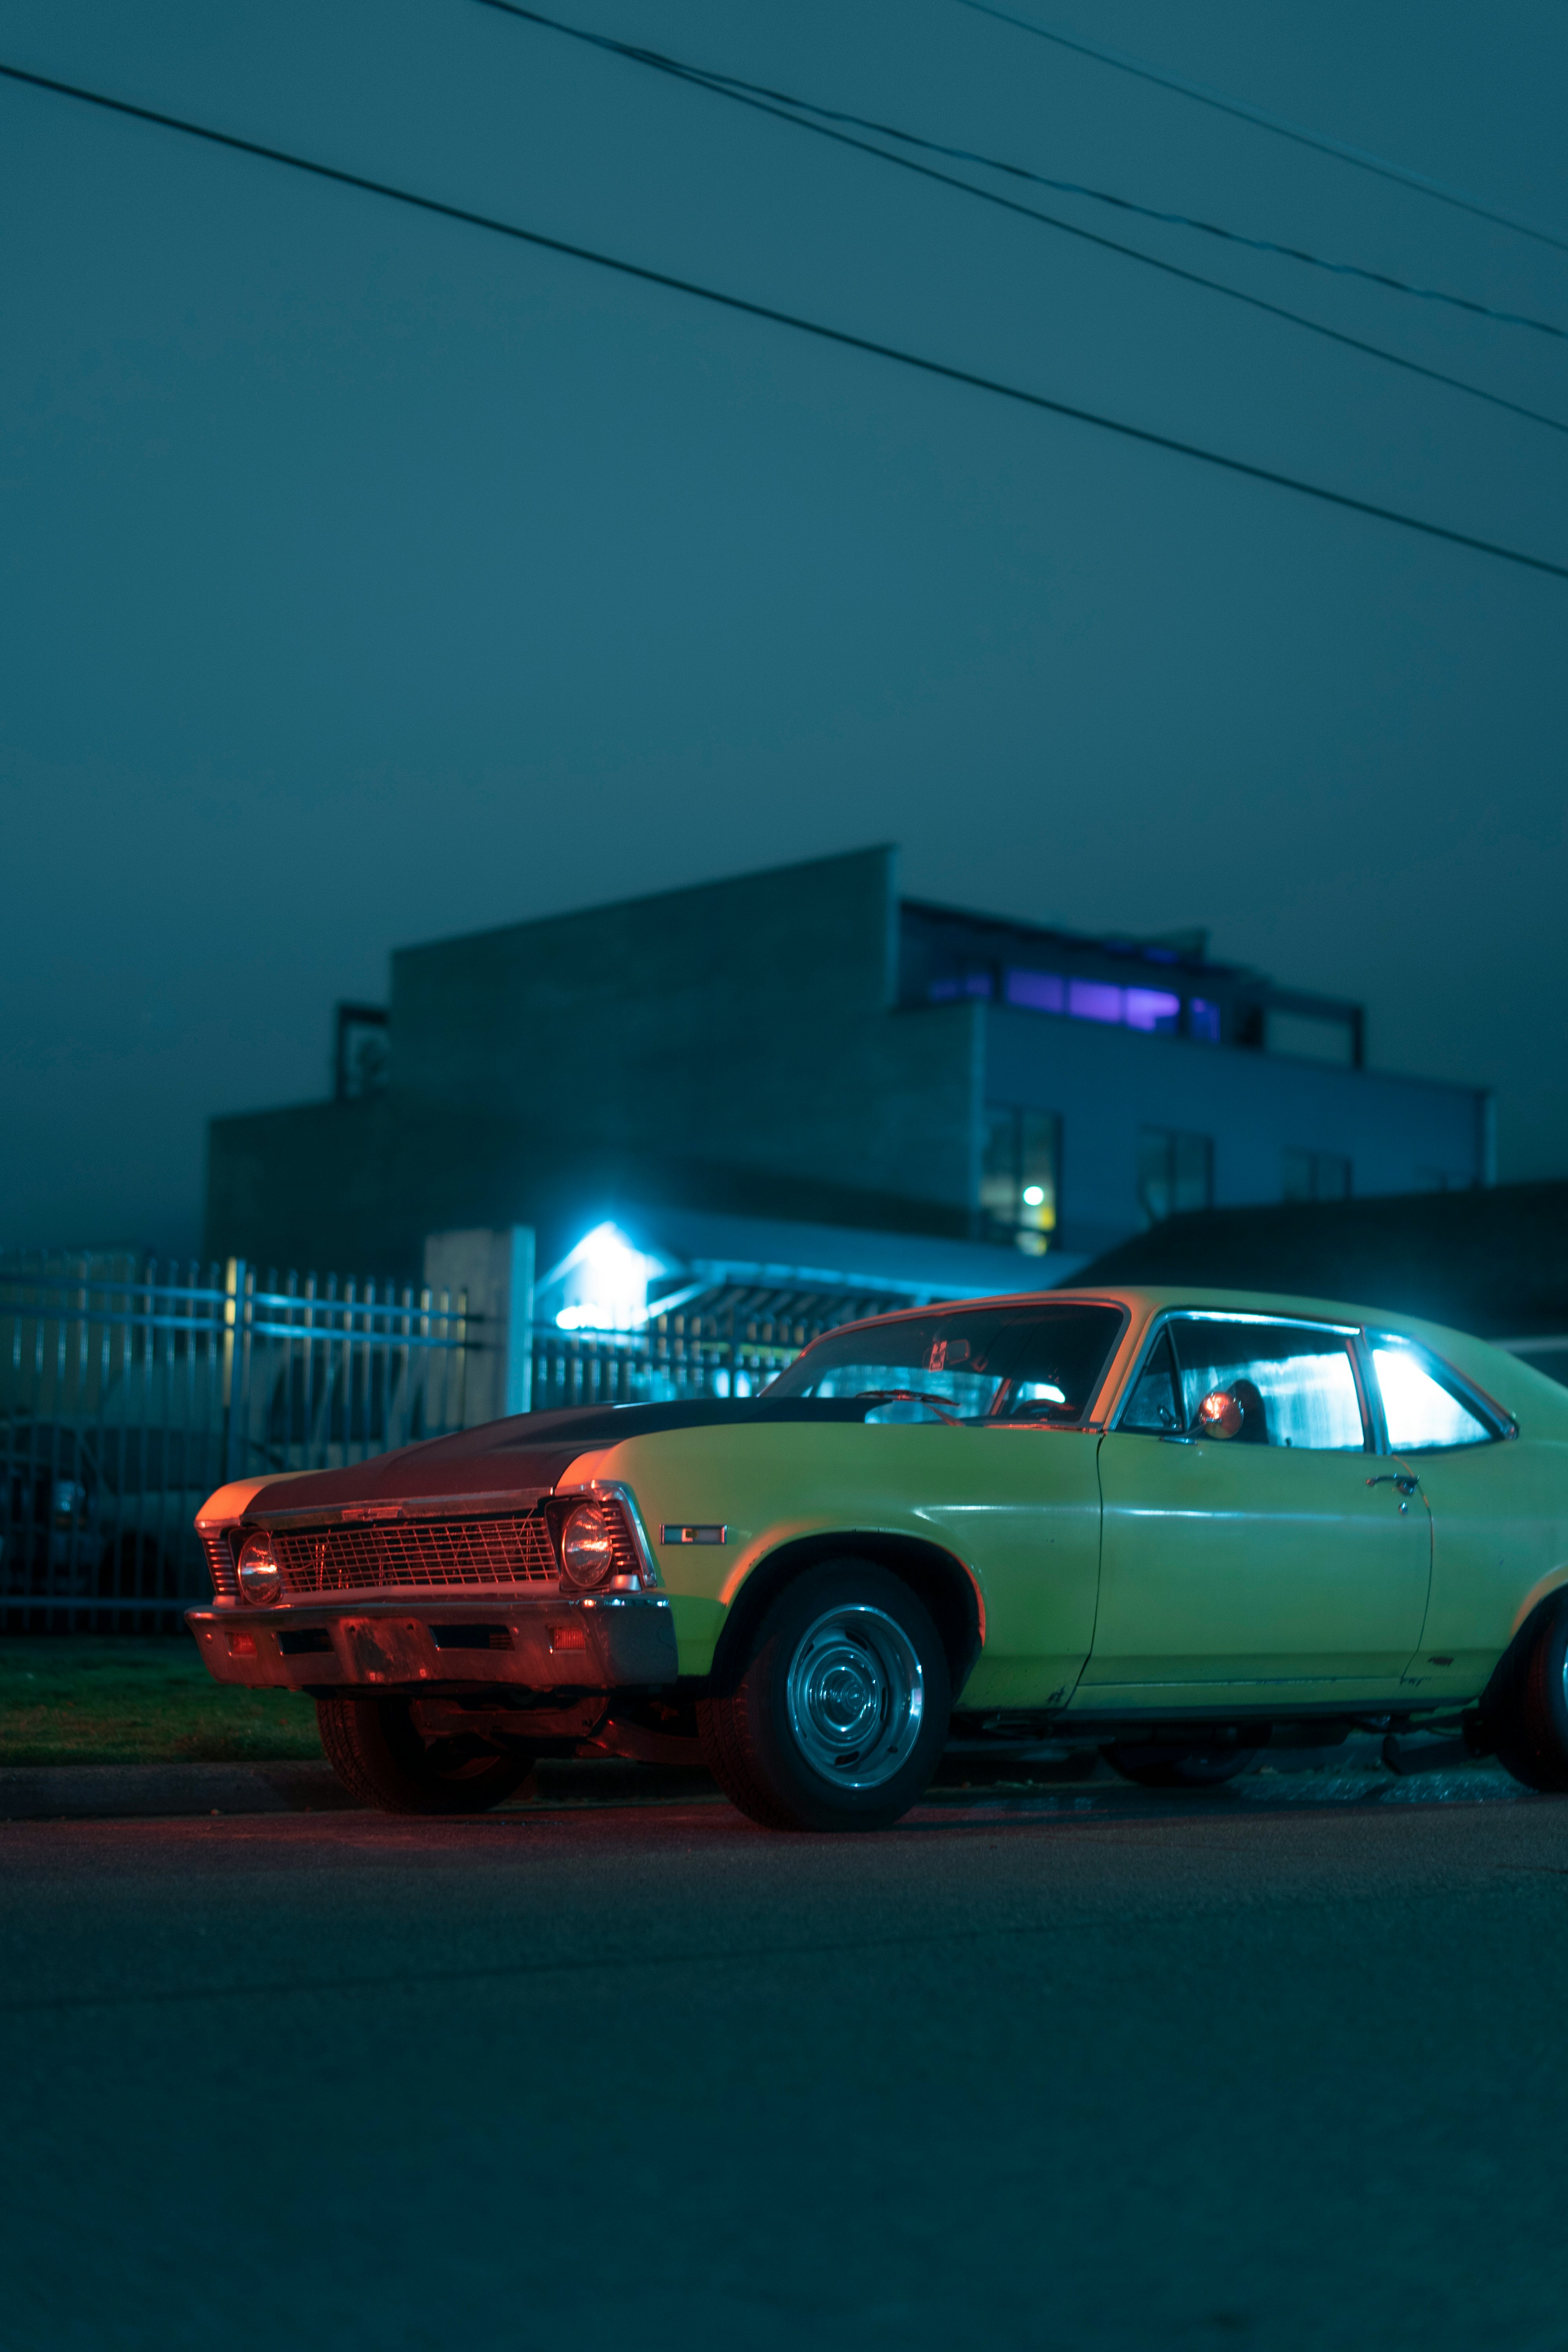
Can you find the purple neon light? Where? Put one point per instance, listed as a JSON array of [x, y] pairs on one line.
[[974, 983], [1040, 992], [1152, 1008], [1095, 999]]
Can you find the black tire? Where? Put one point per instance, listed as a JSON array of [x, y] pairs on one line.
[[377, 1752], [835, 1713], [1161, 1764], [1525, 1710]]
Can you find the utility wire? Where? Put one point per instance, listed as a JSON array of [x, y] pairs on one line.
[[750, 95], [815, 327], [711, 78], [1362, 157]]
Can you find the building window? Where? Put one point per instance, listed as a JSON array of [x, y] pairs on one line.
[[1020, 1175], [1317, 1176], [359, 1052], [1175, 1172], [1154, 1010], [1202, 1019]]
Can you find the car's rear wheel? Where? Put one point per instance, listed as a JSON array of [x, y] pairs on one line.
[[1526, 1709], [1163, 1764], [835, 1713], [378, 1752]]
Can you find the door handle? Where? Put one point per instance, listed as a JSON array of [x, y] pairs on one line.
[[1406, 1484]]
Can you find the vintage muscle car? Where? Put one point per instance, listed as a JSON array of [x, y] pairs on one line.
[[1160, 1525]]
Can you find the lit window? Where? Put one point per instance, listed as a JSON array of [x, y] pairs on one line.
[[1018, 1174], [1039, 992], [1175, 1172], [1153, 1009], [962, 984], [1202, 1019], [1095, 999]]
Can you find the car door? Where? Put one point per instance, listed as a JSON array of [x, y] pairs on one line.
[[1289, 1561]]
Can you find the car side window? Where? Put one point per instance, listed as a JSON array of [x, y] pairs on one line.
[[1294, 1385], [1155, 1407], [1422, 1403]]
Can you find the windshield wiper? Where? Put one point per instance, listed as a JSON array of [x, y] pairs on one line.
[[939, 1405]]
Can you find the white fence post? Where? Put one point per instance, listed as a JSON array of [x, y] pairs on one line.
[[496, 1270]]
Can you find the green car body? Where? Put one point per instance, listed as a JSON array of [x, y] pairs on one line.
[[1079, 1572], [1112, 1571]]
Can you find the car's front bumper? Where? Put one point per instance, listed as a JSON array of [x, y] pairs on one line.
[[592, 1641]]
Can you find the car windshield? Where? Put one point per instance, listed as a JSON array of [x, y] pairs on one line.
[[1006, 1363]]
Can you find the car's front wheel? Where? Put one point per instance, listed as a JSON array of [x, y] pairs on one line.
[[379, 1753], [1526, 1709], [835, 1713]]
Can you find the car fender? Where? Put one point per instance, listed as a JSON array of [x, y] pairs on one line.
[[771, 1560], [1542, 1590]]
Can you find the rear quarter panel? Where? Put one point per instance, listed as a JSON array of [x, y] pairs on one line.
[[1499, 1518]]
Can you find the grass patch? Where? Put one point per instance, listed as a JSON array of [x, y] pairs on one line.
[[128, 1699]]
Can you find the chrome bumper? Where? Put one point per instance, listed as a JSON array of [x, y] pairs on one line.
[[596, 1642]]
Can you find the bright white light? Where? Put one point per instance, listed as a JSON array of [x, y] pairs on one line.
[[607, 1283], [1035, 1195]]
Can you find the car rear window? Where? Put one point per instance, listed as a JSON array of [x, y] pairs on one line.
[[1008, 1363], [1424, 1401]]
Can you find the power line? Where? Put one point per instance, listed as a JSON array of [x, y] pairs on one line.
[[815, 327], [708, 78], [751, 95], [1362, 157]]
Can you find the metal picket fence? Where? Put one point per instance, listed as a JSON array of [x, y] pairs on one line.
[[128, 1392], [728, 1343]]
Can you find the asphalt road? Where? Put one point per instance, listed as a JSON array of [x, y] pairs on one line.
[[1031, 2074]]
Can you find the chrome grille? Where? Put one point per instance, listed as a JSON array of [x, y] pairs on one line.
[[428, 1552]]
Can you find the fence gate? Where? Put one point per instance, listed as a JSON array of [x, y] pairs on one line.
[[128, 1392]]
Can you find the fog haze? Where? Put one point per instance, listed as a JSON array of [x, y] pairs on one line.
[[365, 578]]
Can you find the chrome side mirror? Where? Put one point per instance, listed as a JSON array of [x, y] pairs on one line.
[[1219, 1415]]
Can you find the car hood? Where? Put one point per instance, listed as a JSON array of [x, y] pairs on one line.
[[525, 1454]]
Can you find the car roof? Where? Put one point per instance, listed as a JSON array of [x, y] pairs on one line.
[[1142, 1300]]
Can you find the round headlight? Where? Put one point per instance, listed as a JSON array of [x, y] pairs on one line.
[[260, 1574], [588, 1546]]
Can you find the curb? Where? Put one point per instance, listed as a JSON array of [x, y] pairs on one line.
[[99, 1792], [96, 1793]]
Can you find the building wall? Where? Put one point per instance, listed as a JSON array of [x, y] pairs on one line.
[[740, 1046], [1106, 1083], [751, 1022]]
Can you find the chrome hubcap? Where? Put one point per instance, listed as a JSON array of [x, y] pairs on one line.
[[855, 1696]]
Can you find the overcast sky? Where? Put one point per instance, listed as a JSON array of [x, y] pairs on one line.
[[366, 578]]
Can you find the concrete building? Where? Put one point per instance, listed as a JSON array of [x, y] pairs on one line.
[[807, 1045]]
